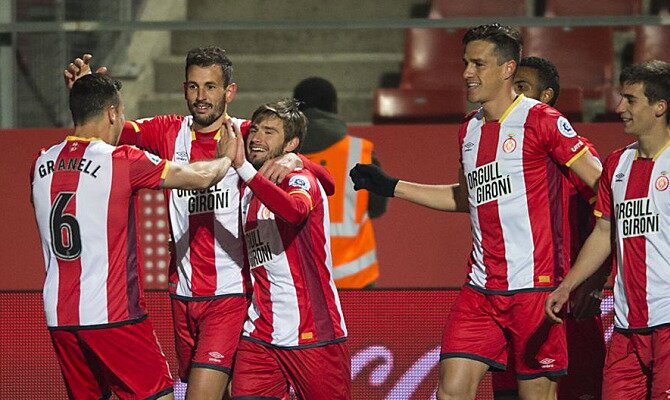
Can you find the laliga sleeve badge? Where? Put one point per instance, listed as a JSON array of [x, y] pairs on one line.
[[299, 181], [509, 145], [565, 128], [662, 182]]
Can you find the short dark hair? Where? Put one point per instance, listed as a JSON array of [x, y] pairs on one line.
[[295, 122], [316, 92], [91, 94], [208, 56], [507, 40], [654, 75], [546, 73]]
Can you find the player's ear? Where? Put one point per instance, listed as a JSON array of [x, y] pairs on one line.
[[661, 107], [291, 145], [510, 69], [231, 90], [546, 95], [111, 114]]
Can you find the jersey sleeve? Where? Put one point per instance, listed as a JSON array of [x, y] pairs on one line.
[[292, 201], [585, 191], [320, 173], [558, 136], [603, 207], [145, 170], [149, 134]]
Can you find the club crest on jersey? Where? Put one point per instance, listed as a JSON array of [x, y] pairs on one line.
[[509, 145], [153, 158], [299, 181], [565, 128], [662, 182]]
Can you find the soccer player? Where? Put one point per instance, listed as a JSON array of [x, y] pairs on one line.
[[510, 181], [208, 283], [295, 332], [83, 192], [538, 79], [632, 208]]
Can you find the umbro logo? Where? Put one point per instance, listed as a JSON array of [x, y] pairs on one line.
[[215, 356], [547, 362], [619, 177], [468, 147]]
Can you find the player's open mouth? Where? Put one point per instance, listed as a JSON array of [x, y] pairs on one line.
[[202, 107]]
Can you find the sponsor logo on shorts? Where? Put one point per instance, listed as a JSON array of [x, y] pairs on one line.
[[215, 356], [547, 362]]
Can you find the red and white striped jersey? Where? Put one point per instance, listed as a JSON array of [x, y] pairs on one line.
[[83, 192], [515, 192], [287, 234], [634, 195], [208, 256]]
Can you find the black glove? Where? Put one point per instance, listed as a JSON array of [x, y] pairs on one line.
[[373, 178]]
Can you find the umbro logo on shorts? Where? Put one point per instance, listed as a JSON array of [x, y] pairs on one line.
[[215, 356], [547, 362]]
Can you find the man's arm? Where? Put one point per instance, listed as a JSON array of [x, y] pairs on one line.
[[276, 170], [452, 197], [197, 175], [203, 174], [292, 208], [595, 251], [588, 169]]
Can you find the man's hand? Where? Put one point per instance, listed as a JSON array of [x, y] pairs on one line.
[[78, 68], [373, 178], [586, 298], [227, 146], [276, 169], [240, 154], [555, 302]]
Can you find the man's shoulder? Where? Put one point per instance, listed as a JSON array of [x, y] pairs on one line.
[[302, 179]]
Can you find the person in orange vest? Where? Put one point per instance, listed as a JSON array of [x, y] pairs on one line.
[[327, 143]]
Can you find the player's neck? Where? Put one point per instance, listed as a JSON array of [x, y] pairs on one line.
[[495, 108], [650, 144], [95, 129], [214, 126]]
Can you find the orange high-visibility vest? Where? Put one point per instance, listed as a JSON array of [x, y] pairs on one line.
[[352, 239]]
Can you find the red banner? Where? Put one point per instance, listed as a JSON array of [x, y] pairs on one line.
[[394, 339]]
